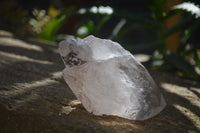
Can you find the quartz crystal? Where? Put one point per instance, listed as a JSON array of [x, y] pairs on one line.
[[108, 80]]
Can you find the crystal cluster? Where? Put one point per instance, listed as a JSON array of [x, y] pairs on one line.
[[108, 80]]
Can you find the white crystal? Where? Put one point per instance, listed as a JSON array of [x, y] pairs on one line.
[[108, 80]]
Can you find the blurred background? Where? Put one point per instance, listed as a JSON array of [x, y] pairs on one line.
[[165, 30]]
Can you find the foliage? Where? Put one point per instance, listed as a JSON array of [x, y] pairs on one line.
[[150, 25], [186, 58], [189, 48], [55, 24]]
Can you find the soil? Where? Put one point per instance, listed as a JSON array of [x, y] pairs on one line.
[[35, 99]]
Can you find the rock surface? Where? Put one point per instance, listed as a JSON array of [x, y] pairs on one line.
[[108, 80], [35, 99]]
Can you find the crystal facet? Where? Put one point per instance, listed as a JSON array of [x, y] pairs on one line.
[[108, 80]]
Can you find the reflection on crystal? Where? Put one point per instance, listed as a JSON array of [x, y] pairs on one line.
[[108, 80]]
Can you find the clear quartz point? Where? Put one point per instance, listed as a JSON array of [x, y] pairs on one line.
[[108, 80]]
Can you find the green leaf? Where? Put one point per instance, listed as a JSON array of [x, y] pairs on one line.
[[128, 28], [180, 63], [55, 24], [182, 24], [87, 26], [189, 33], [156, 7], [102, 22], [117, 29], [197, 60]]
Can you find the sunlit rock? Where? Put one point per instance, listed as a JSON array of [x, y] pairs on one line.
[[108, 80]]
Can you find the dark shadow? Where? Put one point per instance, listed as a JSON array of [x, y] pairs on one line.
[[172, 98], [176, 99], [172, 78], [26, 71], [174, 115], [33, 54], [195, 92]]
